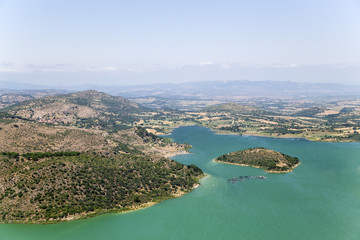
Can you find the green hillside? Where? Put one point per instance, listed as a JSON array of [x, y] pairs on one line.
[[57, 188]]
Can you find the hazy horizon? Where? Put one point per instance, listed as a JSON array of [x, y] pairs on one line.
[[78, 86], [130, 43]]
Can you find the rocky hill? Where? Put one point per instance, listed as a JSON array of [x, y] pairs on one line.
[[53, 171], [87, 109], [268, 159]]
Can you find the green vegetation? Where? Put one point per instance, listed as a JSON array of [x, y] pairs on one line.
[[311, 112], [320, 119], [11, 154], [36, 155], [235, 129], [234, 107], [354, 137], [268, 159], [61, 186], [54, 173], [109, 124], [86, 153], [144, 134]]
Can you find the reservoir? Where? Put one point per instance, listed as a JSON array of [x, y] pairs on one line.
[[320, 199]]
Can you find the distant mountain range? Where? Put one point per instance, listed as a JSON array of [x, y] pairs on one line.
[[10, 85], [213, 89], [230, 89]]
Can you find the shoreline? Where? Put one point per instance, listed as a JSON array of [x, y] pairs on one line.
[[99, 212], [261, 135], [174, 195], [268, 171], [173, 154], [279, 136]]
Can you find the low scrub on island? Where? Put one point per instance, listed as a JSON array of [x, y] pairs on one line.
[[267, 159]]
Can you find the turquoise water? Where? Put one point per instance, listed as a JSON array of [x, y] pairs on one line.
[[319, 200]]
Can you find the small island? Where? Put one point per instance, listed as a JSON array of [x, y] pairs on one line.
[[259, 157]]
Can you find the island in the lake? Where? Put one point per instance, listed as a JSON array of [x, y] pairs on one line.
[[259, 157]]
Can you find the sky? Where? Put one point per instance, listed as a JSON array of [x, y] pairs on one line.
[[67, 42]]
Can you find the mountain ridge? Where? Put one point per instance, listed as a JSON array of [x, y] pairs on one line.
[[83, 109]]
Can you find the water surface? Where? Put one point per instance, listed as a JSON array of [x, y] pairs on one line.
[[319, 200]]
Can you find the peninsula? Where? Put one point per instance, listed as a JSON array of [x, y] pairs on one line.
[[76, 156]]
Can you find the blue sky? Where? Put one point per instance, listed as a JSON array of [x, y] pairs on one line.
[[62, 42]]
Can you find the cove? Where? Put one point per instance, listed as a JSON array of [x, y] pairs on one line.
[[320, 199]]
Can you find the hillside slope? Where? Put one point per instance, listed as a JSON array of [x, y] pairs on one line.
[[61, 188], [88, 109], [55, 172]]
